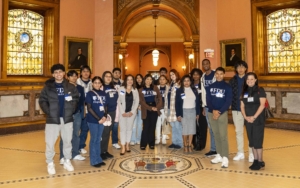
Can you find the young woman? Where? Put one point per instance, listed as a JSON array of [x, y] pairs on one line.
[[138, 122], [151, 102], [187, 110], [199, 140], [128, 103], [112, 99], [253, 101], [96, 116], [163, 81], [170, 112]]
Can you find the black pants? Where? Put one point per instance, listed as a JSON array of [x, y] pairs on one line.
[[148, 133], [106, 133], [199, 140]]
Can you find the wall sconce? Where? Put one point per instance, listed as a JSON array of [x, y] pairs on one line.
[[183, 67], [191, 56], [120, 56], [126, 68]]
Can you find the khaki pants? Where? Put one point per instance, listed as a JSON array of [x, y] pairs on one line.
[[220, 131]]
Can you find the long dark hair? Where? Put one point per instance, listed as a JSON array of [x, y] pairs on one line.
[[136, 83], [196, 70], [125, 81], [111, 84], [245, 86], [176, 74], [147, 76], [182, 80], [97, 78]]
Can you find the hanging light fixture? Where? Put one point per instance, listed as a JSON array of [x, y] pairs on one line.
[[155, 52]]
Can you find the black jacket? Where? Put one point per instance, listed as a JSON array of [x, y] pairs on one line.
[[49, 102], [233, 82]]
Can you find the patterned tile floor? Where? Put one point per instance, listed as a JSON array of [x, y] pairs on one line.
[[22, 164]]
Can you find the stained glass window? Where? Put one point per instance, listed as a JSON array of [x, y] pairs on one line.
[[25, 43], [283, 39]]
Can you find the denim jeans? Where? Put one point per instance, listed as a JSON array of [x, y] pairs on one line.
[[83, 133], [115, 132], [95, 146], [137, 128], [177, 133], [212, 138], [75, 137]]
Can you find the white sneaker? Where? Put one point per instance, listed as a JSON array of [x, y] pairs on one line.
[[116, 146], [62, 161], [251, 158], [239, 156], [167, 137], [79, 158], [217, 159], [225, 162], [157, 141], [82, 151], [68, 165], [132, 143], [51, 168], [163, 140], [138, 142]]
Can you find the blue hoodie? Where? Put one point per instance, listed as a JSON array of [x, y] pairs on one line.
[[219, 96]]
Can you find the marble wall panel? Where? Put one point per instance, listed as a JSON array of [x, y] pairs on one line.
[[14, 105], [271, 99], [38, 109], [291, 103]]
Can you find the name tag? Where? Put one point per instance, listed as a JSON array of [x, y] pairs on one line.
[[68, 98], [144, 92], [250, 99], [182, 96], [199, 91], [196, 86], [220, 95], [245, 96], [122, 93], [111, 94], [154, 93], [101, 108]]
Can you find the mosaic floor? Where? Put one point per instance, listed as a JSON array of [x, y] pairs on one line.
[[22, 164]]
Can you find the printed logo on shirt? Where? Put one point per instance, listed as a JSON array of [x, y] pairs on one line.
[[207, 83], [220, 93], [96, 100], [148, 93], [60, 91]]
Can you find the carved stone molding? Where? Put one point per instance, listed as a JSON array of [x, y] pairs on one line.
[[283, 94], [284, 111], [26, 113], [37, 95], [37, 112], [273, 93], [26, 96]]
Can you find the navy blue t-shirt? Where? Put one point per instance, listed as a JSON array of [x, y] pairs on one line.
[[169, 94], [162, 92], [97, 107], [61, 98], [112, 99], [149, 95], [80, 105], [208, 80]]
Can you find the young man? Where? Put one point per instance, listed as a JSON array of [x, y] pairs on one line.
[[236, 84], [77, 116], [117, 77], [218, 99], [58, 100], [206, 80], [162, 71], [86, 83]]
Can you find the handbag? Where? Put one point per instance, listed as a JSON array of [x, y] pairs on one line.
[[166, 128], [108, 118], [268, 112]]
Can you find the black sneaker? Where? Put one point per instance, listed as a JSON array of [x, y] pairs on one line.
[[97, 165], [176, 147], [108, 155], [102, 164], [210, 153], [103, 156], [171, 146]]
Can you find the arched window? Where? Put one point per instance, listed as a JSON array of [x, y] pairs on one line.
[[25, 43], [283, 41]]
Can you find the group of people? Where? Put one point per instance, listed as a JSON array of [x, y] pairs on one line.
[[141, 108]]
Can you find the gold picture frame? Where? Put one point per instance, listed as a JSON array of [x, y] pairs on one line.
[[226, 46], [71, 56]]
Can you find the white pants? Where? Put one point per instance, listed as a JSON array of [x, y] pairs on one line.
[[126, 125], [51, 135], [238, 121], [159, 123]]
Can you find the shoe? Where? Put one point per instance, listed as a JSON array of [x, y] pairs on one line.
[[117, 146], [97, 165], [239, 156], [163, 139], [142, 148], [258, 165], [68, 165], [157, 141], [151, 147], [79, 158], [217, 159], [102, 163], [82, 151], [108, 155], [224, 162], [132, 143], [210, 153], [171, 146], [255, 162], [251, 158], [103, 156], [51, 168], [167, 137], [138, 142], [62, 161], [176, 147], [262, 164], [127, 147]]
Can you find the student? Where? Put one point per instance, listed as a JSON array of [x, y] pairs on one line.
[[236, 84], [151, 102], [162, 72], [128, 103], [253, 101], [115, 126], [170, 111], [96, 116], [58, 100], [206, 80], [163, 81], [138, 122], [187, 111], [111, 100], [199, 140], [218, 100], [77, 116], [85, 82]]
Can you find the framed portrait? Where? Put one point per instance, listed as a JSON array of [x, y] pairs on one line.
[[78, 52], [232, 51]]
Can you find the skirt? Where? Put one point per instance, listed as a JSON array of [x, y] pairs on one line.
[[189, 121]]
